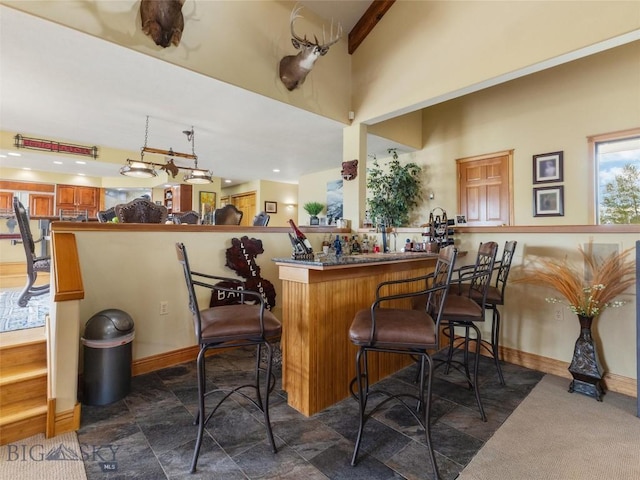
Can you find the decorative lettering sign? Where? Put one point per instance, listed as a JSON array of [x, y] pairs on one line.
[[51, 146], [241, 258]]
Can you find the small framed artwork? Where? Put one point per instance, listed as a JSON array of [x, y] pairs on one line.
[[547, 167], [461, 219], [271, 207], [548, 201], [207, 203]]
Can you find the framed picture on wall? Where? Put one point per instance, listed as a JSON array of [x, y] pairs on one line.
[[207, 203], [548, 201], [271, 207], [547, 167]]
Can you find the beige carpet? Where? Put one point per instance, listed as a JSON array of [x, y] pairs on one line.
[[556, 435], [38, 458]]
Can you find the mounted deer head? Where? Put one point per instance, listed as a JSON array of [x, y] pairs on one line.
[[162, 20], [294, 68]]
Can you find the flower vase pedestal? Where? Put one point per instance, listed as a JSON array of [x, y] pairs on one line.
[[585, 366]]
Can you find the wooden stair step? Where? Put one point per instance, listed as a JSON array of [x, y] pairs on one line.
[[17, 373], [23, 410], [23, 347], [27, 423]]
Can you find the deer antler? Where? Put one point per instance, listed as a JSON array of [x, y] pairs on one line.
[[292, 19], [295, 14]]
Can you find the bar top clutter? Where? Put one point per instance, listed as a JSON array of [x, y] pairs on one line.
[[321, 261]]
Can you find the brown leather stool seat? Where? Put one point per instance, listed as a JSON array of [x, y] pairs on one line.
[[247, 323], [402, 331]]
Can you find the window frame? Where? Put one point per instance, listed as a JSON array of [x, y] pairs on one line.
[[593, 180]]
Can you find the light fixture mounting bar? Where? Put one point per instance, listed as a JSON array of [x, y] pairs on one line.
[[169, 153]]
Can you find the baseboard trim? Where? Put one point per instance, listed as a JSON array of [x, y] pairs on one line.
[[163, 360], [613, 382], [169, 359], [61, 422]]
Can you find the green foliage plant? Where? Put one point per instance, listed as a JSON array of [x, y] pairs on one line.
[[621, 199], [393, 191], [313, 208]]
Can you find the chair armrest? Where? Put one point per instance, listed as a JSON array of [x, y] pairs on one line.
[[379, 300], [462, 273], [421, 278], [242, 291], [218, 277]]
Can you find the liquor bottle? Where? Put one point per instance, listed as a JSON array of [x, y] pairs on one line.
[[301, 237]]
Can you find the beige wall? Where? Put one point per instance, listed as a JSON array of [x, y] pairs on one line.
[[424, 52], [238, 42], [546, 112]]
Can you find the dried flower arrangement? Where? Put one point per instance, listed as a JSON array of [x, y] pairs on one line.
[[607, 278]]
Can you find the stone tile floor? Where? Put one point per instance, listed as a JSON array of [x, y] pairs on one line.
[[150, 433]]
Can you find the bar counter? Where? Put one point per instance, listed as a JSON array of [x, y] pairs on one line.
[[320, 299]]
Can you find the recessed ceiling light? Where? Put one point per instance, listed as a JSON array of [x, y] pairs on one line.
[[81, 162], [2, 155], [276, 170], [227, 181], [13, 154], [57, 162]]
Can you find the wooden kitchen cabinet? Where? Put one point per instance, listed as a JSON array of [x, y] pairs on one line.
[[40, 205], [75, 198], [6, 201], [178, 199]]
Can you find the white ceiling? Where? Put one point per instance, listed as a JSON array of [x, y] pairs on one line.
[[57, 83]]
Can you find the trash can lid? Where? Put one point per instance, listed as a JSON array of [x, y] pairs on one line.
[[110, 323]]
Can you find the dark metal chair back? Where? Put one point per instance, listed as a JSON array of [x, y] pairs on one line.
[[141, 210], [261, 220], [107, 215], [35, 264], [227, 215]]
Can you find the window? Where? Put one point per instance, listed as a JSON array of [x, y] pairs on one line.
[[617, 168]]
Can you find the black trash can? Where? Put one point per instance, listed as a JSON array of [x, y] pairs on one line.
[[107, 357]]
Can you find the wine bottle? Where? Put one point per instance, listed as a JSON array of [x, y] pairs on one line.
[[301, 237]]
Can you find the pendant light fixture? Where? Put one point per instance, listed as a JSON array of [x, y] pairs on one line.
[[142, 169], [196, 175]]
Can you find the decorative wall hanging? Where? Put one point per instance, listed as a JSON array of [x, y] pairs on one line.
[[349, 170], [547, 167], [162, 20], [241, 258], [548, 201], [51, 146], [271, 207], [295, 68]]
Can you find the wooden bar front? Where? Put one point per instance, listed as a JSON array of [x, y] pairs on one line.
[[319, 303]]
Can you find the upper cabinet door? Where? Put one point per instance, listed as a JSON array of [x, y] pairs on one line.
[[86, 197], [40, 205], [66, 195]]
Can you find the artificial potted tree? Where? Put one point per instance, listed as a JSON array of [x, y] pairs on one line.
[[393, 191], [313, 209]]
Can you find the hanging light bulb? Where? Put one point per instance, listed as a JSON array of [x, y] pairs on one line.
[[196, 175], [138, 169]]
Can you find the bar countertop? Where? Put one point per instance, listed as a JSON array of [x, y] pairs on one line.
[[331, 261]]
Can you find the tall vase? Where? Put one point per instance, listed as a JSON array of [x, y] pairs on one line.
[[585, 366]]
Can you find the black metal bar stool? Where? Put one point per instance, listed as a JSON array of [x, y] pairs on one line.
[[238, 325], [404, 331]]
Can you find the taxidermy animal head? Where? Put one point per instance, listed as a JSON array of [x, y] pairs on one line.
[[170, 168], [162, 20], [294, 68], [349, 169]]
